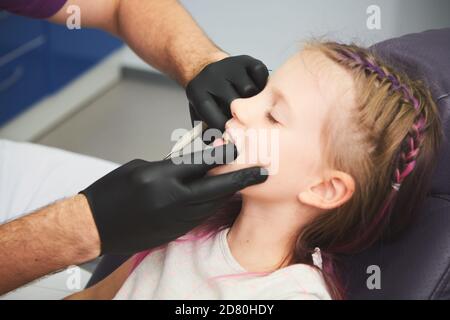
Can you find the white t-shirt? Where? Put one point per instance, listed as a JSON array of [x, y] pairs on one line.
[[206, 269]]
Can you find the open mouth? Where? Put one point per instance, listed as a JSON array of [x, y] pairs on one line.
[[226, 138]]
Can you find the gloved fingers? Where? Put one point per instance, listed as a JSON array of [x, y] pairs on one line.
[[197, 164], [244, 85], [199, 212], [205, 105], [126, 169], [257, 70], [210, 112], [193, 114], [214, 115], [212, 187], [226, 94], [136, 163]]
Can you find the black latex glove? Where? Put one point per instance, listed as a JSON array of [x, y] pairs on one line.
[[211, 92], [142, 205]]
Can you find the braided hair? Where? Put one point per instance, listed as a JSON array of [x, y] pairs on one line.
[[397, 137], [406, 158]]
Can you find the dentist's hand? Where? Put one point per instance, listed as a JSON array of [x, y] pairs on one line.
[[142, 205], [211, 92]]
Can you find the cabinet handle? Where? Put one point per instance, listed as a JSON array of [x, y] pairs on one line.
[[15, 76], [23, 49]]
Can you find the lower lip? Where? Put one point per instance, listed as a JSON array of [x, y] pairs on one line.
[[218, 142]]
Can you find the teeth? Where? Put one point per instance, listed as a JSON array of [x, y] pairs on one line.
[[226, 137]]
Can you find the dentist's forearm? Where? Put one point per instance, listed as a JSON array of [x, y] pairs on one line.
[[165, 35], [52, 238], [161, 32]]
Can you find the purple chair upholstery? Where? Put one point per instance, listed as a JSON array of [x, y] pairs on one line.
[[417, 265]]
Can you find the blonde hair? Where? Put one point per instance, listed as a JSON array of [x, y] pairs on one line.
[[395, 134]]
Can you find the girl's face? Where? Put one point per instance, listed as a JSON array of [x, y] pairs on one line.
[[280, 128]]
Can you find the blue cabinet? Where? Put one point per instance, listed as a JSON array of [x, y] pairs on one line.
[[71, 52], [22, 82], [17, 31], [38, 58]]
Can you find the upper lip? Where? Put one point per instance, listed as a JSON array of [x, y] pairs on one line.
[[227, 136], [229, 132]]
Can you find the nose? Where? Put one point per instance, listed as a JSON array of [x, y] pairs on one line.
[[242, 110]]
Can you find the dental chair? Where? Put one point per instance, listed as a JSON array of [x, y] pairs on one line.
[[416, 265]]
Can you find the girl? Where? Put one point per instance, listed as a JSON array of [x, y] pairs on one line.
[[357, 143]]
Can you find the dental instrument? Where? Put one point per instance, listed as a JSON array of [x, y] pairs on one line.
[[187, 139]]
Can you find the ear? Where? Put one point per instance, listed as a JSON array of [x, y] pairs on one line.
[[329, 193]]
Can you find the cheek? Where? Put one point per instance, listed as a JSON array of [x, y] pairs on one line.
[[293, 166], [291, 162], [286, 169], [281, 186]]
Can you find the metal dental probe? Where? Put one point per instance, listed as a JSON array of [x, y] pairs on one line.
[[187, 139]]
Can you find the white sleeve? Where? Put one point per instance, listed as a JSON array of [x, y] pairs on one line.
[[32, 176]]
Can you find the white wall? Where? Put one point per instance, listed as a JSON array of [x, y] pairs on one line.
[[272, 30]]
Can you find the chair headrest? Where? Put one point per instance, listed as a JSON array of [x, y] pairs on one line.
[[417, 264]]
